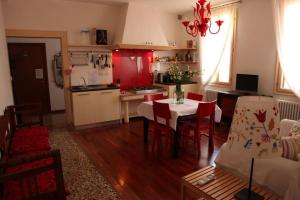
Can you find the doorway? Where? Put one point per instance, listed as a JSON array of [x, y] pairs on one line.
[[29, 74], [63, 39]]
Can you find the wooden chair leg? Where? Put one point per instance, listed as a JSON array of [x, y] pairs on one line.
[[198, 144], [154, 140], [211, 139], [183, 138]]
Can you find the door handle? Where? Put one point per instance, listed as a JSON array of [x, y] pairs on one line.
[[86, 94]]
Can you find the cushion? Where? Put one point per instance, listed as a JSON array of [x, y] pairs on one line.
[[295, 130], [45, 181], [32, 131], [23, 145], [291, 147]]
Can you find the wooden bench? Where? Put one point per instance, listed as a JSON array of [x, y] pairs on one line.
[[223, 187], [28, 168]]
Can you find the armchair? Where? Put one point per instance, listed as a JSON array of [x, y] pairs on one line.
[[255, 132]]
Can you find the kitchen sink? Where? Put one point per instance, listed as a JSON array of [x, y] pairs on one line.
[[82, 88]]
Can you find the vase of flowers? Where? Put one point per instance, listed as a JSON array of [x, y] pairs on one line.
[[178, 95], [179, 77]]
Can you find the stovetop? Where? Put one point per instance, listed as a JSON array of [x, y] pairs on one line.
[[147, 89]]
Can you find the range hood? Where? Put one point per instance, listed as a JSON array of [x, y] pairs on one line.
[[140, 28]]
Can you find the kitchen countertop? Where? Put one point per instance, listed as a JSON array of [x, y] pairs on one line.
[[130, 95], [82, 88]]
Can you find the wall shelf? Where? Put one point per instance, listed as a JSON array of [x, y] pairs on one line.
[[141, 47], [132, 46], [178, 62], [89, 46], [184, 49]]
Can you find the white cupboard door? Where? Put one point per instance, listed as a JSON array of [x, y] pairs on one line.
[[83, 108], [107, 105]]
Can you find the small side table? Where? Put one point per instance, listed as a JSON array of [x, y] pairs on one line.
[[222, 188]]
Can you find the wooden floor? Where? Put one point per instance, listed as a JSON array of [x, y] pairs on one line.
[[132, 169]]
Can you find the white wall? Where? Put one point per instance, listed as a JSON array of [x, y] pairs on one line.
[[256, 47], [52, 47], [60, 15], [6, 97], [255, 51], [92, 76]]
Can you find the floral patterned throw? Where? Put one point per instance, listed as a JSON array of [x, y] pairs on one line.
[[254, 130]]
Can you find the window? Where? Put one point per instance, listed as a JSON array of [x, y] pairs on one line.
[[223, 75], [216, 51], [282, 86], [286, 18]]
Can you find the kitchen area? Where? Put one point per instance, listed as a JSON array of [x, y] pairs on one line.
[[107, 85], [109, 77]]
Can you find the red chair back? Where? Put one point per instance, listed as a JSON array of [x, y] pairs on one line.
[[194, 96], [152, 97], [161, 110], [206, 109]]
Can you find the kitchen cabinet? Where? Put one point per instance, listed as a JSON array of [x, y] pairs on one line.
[[107, 106], [193, 87], [95, 106]]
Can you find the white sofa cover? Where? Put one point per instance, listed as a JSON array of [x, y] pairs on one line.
[[280, 175]]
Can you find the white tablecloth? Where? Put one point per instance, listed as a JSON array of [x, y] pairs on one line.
[[189, 107]]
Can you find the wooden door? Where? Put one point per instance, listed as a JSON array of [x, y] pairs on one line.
[[29, 74]]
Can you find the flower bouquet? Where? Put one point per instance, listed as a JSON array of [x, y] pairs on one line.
[[179, 77]]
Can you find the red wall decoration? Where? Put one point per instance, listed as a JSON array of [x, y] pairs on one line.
[[132, 68]]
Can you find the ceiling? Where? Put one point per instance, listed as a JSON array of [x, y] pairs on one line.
[[172, 6]]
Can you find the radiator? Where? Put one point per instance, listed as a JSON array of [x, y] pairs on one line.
[[289, 110], [211, 95]]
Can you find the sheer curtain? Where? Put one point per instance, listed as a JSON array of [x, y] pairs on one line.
[[287, 29], [215, 49]]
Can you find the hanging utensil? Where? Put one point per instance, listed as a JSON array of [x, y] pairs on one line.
[[105, 64]]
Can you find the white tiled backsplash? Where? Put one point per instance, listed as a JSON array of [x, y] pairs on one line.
[[92, 75]]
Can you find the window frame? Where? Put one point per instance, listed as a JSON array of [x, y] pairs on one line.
[[231, 67], [279, 80]]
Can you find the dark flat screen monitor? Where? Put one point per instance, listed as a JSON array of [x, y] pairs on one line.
[[247, 82]]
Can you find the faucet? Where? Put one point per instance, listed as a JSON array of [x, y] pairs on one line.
[[84, 82]]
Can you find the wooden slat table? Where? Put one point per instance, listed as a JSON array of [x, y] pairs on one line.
[[222, 188]]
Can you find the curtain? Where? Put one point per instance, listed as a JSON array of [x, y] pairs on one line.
[[215, 49], [287, 31]]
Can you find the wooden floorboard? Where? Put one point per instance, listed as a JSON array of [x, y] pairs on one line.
[[120, 155]]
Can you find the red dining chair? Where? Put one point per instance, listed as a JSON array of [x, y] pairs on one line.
[[152, 97], [204, 121], [161, 111], [194, 96]]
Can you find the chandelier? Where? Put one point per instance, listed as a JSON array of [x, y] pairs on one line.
[[202, 21]]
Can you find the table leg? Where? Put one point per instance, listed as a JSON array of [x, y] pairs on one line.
[[146, 130], [182, 191], [211, 138], [175, 147], [126, 110]]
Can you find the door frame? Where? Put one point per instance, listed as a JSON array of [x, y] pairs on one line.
[[45, 69], [63, 36]]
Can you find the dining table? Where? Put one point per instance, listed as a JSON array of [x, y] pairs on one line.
[[179, 112]]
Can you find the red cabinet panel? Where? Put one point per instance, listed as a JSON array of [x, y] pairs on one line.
[[132, 67]]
